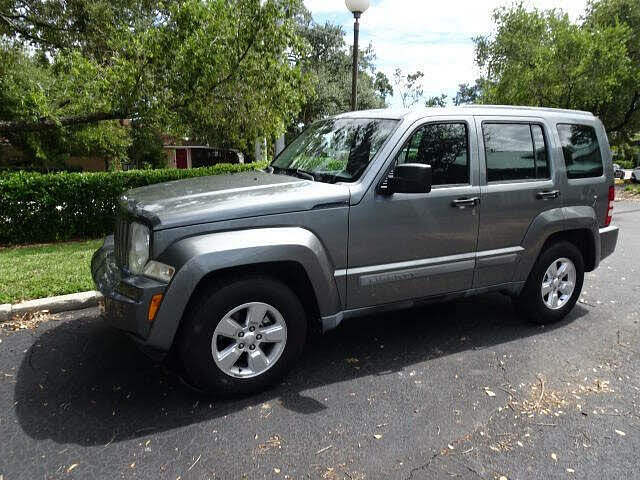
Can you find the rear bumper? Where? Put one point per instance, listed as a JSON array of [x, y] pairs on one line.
[[608, 241], [126, 297]]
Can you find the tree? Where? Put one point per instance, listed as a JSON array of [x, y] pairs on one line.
[[328, 61], [468, 94], [541, 58], [36, 93], [217, 71], [437, 101], [382, 86], [624, 108], [409, 87]]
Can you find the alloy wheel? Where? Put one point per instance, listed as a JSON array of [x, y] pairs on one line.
[[249, 340], [558, 283]]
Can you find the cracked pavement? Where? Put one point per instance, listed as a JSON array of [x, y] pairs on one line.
[[463, 390]]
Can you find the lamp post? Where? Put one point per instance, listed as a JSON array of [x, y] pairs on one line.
[[357, 7]]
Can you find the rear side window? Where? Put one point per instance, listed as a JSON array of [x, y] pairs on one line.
[[581, 150], [515, 151]]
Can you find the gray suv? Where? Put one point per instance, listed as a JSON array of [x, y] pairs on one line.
[[363, 212]]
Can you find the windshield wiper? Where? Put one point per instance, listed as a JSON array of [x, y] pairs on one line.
[[295, 172], [305, 174]]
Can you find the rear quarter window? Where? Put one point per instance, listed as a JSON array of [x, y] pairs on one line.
[[581, 150]]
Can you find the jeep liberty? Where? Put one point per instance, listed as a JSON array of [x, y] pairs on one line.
[[363, 212]]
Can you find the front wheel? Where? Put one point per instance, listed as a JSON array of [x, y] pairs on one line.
[[554, 284], [242, 336]]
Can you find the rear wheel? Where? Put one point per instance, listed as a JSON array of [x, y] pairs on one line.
[[243, 336], [554, 284]]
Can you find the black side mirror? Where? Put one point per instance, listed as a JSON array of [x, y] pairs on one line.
[[410, 178]]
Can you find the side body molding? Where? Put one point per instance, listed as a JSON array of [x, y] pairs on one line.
[[198, 256], [554, 221]]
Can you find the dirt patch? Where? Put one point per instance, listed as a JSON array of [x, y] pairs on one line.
[[625, 195]]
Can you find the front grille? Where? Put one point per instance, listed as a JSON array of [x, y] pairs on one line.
[[121, 239]]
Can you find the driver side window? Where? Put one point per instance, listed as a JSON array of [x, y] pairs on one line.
[[444, 146]]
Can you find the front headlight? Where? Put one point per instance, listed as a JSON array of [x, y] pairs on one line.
[[139, 239]]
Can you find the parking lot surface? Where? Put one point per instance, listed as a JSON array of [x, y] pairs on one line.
[[464, 389]]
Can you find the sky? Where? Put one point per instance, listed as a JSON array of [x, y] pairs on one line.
[[433, 36]]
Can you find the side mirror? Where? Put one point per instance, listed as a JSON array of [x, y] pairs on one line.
[[410, 178]]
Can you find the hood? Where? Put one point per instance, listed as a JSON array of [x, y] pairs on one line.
[[226, 197]]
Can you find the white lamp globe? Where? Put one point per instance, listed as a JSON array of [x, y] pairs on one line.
[[357, 6]]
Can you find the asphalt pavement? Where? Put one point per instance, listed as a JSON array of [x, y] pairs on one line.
[[464, 389]]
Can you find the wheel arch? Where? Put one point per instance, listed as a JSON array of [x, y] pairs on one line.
[[583, 239], [578, 225], [290, 273], [292, 255]]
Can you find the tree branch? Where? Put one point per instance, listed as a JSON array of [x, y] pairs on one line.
[[244, 54], [633, 108], [15, 126], [25, 33]]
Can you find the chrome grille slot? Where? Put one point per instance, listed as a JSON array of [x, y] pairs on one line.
[[121, 238]]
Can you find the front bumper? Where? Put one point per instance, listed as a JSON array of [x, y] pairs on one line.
[[126, 297], [608, 241]]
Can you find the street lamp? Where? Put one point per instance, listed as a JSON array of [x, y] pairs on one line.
[[357, 7]]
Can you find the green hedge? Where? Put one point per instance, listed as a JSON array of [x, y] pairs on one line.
[[39, 208]]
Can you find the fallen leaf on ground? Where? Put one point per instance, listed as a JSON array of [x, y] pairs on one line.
[[27, 321]]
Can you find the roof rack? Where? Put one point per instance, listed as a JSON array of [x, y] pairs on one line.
[[539, 109]]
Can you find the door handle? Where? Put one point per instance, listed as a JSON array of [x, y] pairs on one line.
[[548, 194], [465, 202]]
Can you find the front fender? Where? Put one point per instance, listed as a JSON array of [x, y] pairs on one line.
[[550, 222], [198, 256]]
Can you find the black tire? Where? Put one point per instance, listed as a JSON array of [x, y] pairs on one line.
[[206, 312], [530, 302]]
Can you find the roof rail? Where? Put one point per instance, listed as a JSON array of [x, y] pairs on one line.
[[540, 109]]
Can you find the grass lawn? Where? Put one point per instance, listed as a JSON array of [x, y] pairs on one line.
[[38, 271]]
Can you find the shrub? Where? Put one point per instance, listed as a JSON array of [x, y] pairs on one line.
[[38, 208], [626, 164], [633, 189]]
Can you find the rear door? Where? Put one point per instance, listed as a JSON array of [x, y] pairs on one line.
[[519, 181]]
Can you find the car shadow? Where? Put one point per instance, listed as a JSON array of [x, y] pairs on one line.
[[83, 383]]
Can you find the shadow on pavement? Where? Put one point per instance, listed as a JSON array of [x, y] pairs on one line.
[[83, 383]]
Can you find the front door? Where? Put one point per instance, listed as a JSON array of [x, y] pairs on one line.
[[411, 246], [181, 158], [519, 183]]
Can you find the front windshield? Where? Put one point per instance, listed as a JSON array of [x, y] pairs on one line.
[[336, 150]]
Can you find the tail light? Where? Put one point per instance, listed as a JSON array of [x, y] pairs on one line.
[[612, 197]]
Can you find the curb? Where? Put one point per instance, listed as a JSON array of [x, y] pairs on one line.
[[62, 303]]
